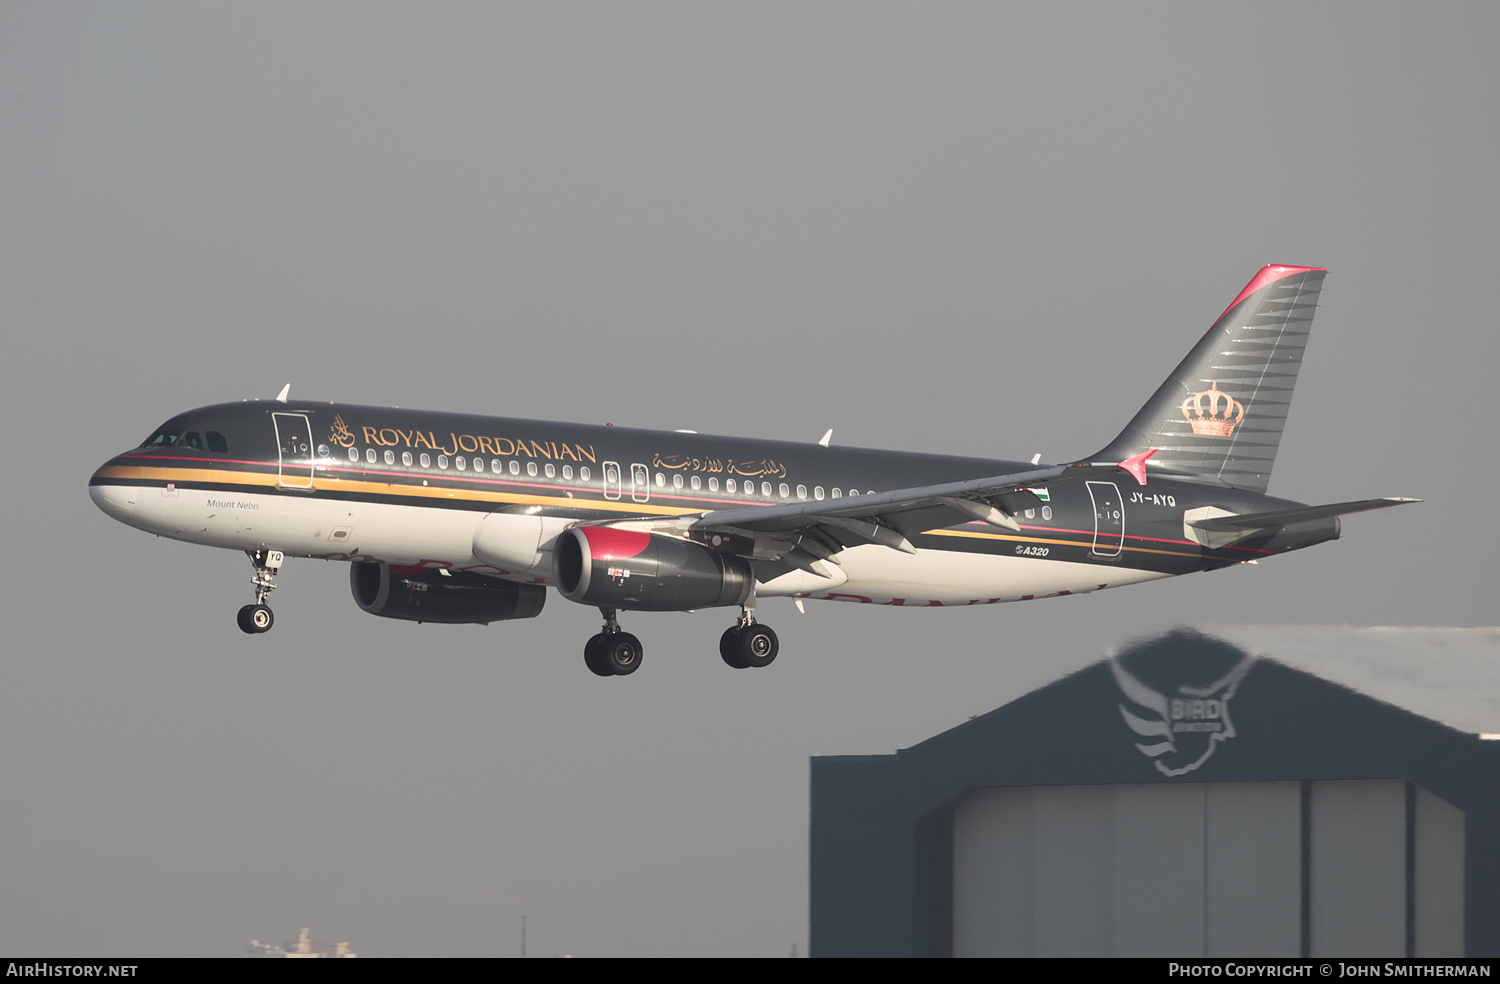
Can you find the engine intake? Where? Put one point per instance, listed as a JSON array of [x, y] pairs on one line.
[[424, 595], [615, 568]]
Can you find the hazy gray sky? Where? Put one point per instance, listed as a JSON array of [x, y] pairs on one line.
[[974, 228]]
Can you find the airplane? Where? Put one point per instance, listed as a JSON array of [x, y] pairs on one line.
[[469, 519]]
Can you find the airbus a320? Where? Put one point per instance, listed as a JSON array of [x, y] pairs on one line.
[[467, 519]]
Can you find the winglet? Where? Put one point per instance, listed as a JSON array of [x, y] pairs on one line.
[[281, 397], [824, 440], [1136, 465]]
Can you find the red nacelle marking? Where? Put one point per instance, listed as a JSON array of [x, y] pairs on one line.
[[610, 543]]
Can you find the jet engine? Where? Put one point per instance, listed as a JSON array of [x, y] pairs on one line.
[[617, 568], [424, 595]]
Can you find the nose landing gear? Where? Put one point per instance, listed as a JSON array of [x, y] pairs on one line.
[[257, 618], [612, 652]]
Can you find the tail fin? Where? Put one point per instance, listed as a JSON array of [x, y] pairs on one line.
[[1221, 412]]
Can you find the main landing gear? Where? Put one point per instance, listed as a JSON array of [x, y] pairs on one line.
[[747, 643], [257, 618], [612, 652]]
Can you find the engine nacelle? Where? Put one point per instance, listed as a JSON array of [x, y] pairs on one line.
[[424, 595], [615, 568]]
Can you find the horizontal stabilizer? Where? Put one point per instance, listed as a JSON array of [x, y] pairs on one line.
[[1286, 517]]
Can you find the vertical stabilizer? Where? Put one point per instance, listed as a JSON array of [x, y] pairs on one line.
[[1221, 412]]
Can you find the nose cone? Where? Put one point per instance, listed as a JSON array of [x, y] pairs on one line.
[[117, 501]]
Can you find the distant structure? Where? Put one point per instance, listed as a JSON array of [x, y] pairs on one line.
[[1254, 791], [301, 947]]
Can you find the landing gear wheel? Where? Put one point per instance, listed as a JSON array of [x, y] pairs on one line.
[[729, 648], [622, 653], [593, 656], [255, 619], [757, 645]]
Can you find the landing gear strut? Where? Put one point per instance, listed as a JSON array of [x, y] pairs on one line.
[[257, 618], [747, 643], [612, 652]]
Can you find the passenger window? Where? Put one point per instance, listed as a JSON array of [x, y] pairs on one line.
[[459, 463], [661, 480], [697, 483], [765, 489], [426, 460], [713, 484], [1046, 512], [406, 458], [551, 471], [838, 494], [568, 472], [442, 461], [729, 484], [854, 491], [216, 442], [370, 455], [1031, 514], [802, 491], [515, 468], [676, 481], [390, 457], [784, 490], [354, 454], [531, 468], [495, 465], [583, 473], [818, 492]]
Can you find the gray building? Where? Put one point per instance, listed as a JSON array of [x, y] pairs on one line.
[[1250, 792]]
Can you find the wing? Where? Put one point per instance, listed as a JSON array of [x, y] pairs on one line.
[[801, 535]]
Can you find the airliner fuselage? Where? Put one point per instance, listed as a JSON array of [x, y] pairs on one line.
[[456, 518]]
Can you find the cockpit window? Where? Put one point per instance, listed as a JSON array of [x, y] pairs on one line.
[[175, 439], [216, 442]]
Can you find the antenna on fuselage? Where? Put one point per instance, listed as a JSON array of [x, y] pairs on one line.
[[281, 397]]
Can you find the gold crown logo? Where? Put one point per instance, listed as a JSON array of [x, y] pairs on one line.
[[1213, 413]]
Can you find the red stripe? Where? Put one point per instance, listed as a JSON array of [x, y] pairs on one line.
[[1131, 536], [205, 461]]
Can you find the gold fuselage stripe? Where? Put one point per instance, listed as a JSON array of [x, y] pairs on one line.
[[328, 484], [323, 482]]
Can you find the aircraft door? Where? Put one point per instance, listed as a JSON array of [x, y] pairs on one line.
[[640, 483], [294, 449], [1109, 519], [611, 480]]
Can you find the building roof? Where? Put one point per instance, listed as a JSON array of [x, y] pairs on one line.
[[1446, 674]]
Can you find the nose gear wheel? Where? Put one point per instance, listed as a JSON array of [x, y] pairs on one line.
[[257, 618]]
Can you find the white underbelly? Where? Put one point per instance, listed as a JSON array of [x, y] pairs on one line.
[[311, 526], [938, 578], [304, 525]]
